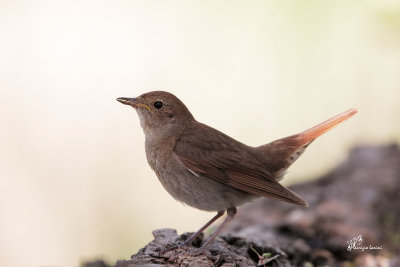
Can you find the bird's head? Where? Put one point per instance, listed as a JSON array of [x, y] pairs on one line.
[[159, 111]]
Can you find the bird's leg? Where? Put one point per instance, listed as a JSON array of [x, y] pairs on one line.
[[189, 241], [194, 235], [231, 213]]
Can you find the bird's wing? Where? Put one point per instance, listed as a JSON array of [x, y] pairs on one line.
[[206, 151]]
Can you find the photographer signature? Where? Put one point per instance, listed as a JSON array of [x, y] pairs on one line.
[[356, 243]]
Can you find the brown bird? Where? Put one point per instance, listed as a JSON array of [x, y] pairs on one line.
[[208, 170]]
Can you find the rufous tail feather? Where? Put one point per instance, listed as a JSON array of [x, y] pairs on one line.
[[278, 155], [323, 127]]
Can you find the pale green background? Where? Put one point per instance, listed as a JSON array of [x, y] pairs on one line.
[[74, 181]]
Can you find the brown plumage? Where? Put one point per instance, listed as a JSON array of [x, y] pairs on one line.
[[218, 156], [206, 169]]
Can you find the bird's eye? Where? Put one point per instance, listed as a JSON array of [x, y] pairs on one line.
[[158, 104]]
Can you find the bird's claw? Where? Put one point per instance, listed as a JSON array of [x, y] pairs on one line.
[[176, 252]]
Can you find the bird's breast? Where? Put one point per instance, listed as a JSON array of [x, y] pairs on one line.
[[158, 153], [188, 186]]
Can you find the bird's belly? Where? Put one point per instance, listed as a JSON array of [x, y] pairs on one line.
[[197, 190]]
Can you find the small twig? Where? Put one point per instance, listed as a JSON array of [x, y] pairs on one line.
[[265, 258]]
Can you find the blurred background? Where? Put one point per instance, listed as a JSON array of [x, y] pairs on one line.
[[74, 181]]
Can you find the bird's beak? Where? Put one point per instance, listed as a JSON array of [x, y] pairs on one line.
[[132, 102], [128, 101]]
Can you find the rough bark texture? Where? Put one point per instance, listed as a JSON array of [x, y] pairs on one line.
[[358, 199]]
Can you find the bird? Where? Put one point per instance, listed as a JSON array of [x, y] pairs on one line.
[[209, 170]]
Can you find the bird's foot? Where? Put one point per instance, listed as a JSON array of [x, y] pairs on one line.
[[175, 247], [185, 251], [168, 249]]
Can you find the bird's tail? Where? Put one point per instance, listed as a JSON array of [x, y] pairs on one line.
[[312, 133], [278, 155]]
